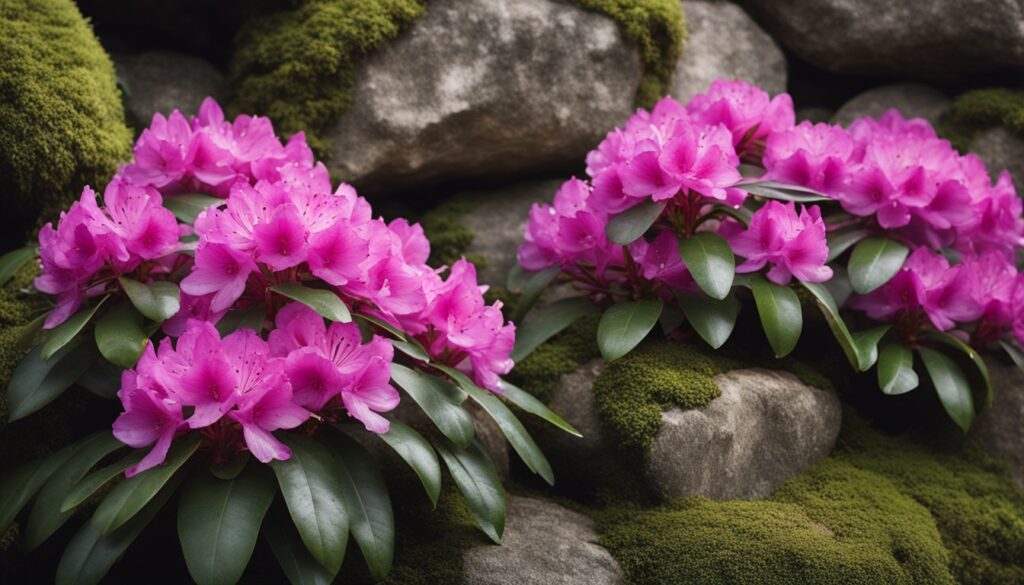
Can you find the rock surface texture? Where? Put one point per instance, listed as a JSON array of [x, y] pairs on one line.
[[1001, 150], [160, 81], [937, 39], [1001, 428], [913, 100], [724, 42], [485, 88], [544, 544]]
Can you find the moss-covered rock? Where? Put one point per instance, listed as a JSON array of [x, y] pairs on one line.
[[980, 109], [448, 234], [61, 119]]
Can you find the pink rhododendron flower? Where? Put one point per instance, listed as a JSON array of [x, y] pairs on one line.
[[793, 244], [816, 156], [150, 418], [747, 111]]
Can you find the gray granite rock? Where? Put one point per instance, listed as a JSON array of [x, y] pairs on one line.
[[814, 114], [913, 100], [1001, 428], [722, 41], [160, 81], [1001, 150], [485, 88], [933, 39], [544, 544]]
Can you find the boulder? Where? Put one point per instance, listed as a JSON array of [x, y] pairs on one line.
[[489, 88], [544, 544], [913, 100], [814, 114], [722, 41], [1001, 150], [161, 81], [941, 40], [1001, 427]]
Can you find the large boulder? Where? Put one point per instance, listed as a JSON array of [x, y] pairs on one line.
[[913, 100], [1001, 427], [724, 42], [543, 544], [937, 39], [162, 81], [485, 88], [1001, 150]]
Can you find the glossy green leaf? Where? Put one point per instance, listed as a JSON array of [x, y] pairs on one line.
[[418, 454], [517, 279], [1015, 353], [157, 301], [873, 262], [298, 565], [219, 520], [839, 285], [35, 383], [121, 336], [30, 334], [783, 192], [131, 495], [95, 480], [187, 206], [411, 348], [625, 325], [102, 379], [867, 344], [310, 482], [896, 373], [12, 261], [532, 405], [781, 317], [251, 318], [979, 363], [323, 301], [547, 321], [532, 291], [710, 261], [860, 355], [633, 223], [17, 487], [951, 385], [439, 399], [712, 319], [62, 334], [478, 482], [388, 327], [839, 242]]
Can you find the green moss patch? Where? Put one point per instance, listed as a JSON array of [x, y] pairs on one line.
[[540, 371], [449, 237], [977, 110]]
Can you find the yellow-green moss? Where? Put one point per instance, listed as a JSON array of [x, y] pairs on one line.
[[449, 237], [658, 28], [61, 119], [980, 109], [297, 65], [540, 371]]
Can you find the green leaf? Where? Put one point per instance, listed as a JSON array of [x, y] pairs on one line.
[[712, 319], [532, 405], [12, 261], [47, 516], [418, 454], [633, 223], [740, 214], [310, 482], [90, 554], [323, 301], [860, 352], [951, 385], [839, 242], [412, 349], [17, 487], [873, 262], [710, 261], [783, 192], [157, 301], [896, 373], [1015, 353], [251, 318], [30, 334], [102, 379], [398, 333], [132, 494], [839, 285], [517, 279], [97, 479], [547, 321], [35, 383], [625, 325], [187, 206], [867, 344], [120, 336], [219, 520], [298, 565], [532, 291], [371, 519], [68, 330], [439, 399], [478, 481], [234, 465], [957, 344], [781, 318]]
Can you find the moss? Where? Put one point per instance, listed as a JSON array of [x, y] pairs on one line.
[[449, 237], [540, 371], [977, 110], [60, 110], [297, 65], [658, 28]]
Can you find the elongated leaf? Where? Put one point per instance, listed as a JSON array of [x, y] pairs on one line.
[[30, 334], [298, 565], [957, 344], [411, 348], [896, 373], [371, 519], [439, 399], [417, 452], [157, 301], [12, 261], [47, 516], [867, 344], [951, 385], [839, 285], [1015, 353], [547, 321], [90, 554], [102, 379], [713, 320], [532, 291], [625, 325], [68, 330], [672, 317], [251, 318], [860, 359], [839, 242], [219, 520], [710, 261], [35, 383], [131, 495], [120, 335], [517, 279], [629, 225], [783, 192], [310, 482], [388, 327], [478, 481], [530, 404], [740, 214], [97, 479], [18, 486], [873, 262], [187, 206], [325, 302], [780, 313]]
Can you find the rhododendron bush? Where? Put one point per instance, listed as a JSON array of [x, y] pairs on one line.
[[882, 223], [244, 312]]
